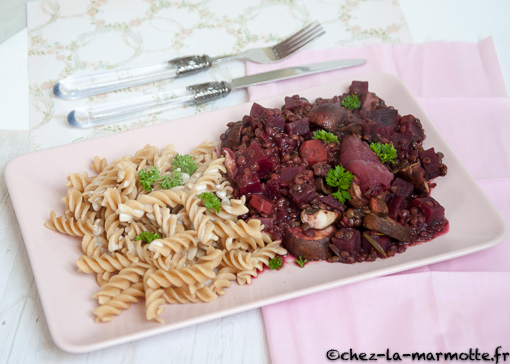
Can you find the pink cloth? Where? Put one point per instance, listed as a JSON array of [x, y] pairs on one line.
[[450, 306]]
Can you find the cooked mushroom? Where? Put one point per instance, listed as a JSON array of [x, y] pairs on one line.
[[318, 218], [312, 244], [387, 226], [414, 173]]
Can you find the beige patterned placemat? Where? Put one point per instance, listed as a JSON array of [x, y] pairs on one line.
[[68, 36]]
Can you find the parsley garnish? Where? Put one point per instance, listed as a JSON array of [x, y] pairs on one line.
[[186, 163], [148, 176], [148, 236], [351, 102], [275, 263], [386, 152], [341, 178], [172, 180], [301, 262], [327, 136], [211, 201]]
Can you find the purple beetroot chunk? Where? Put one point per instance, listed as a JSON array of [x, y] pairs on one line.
[[431, 209], [294, 102], [333, 202], [287, 175], [249, 183], [383, 240], [410, 125], [359, 88], [384, 116], [275, 122], [348, 240], [298, 127], [313, 151], [430, 163], [254, 155], [261, 204], [402, 142], [370, 101], [272, 188], [402, 188], [395, 204], [257, 111], [302, 194]]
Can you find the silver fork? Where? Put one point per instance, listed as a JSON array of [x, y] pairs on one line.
[[83, 85]]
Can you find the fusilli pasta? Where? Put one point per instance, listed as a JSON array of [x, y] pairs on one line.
[[195, 254]]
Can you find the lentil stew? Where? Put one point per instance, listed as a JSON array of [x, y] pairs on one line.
[[274, 158]]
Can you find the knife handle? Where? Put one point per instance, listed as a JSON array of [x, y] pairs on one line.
[[83, 85], [87, 116]]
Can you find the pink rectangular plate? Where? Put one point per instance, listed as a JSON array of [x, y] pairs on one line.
[[36, 185]]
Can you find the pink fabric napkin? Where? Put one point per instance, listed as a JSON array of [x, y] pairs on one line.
[[453, 306]]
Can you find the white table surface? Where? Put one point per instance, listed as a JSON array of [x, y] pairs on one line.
[[24, 336]]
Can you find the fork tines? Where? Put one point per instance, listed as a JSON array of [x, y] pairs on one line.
[[299, 39]]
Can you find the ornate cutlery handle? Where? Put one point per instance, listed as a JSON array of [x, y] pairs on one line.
[[97, 114], [83, 85]]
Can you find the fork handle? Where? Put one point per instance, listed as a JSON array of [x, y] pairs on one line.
[[78, 86], [87, 116]]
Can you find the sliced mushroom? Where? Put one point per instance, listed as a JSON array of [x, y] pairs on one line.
[[319, 219], [414, 173], [387, 226], [357, 200], [312, 244]]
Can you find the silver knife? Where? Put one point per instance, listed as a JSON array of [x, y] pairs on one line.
[[93, 115]]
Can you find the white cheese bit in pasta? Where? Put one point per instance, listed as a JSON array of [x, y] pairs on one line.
[[98, 229], [125, 217], [185, 176], [125, 184], [222, 195], [153, 244], [200, 188], [213, 170], [114, 247]]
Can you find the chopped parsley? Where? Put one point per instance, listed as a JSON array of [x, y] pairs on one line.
[[327, 136], [301, 262], [211, 201], [186, 163], [275, 263], [147, 237], [341, 178], [386, 152], [351, 102]]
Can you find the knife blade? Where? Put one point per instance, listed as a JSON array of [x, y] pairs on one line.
[[93, 115]]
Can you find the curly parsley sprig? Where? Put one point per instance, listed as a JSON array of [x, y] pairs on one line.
[[147, 237], [275, 263], [341, 178], [148, 176], [386, 152], [327, 136], [181, 164], [351, 102], [186, 163], [211, 201]]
